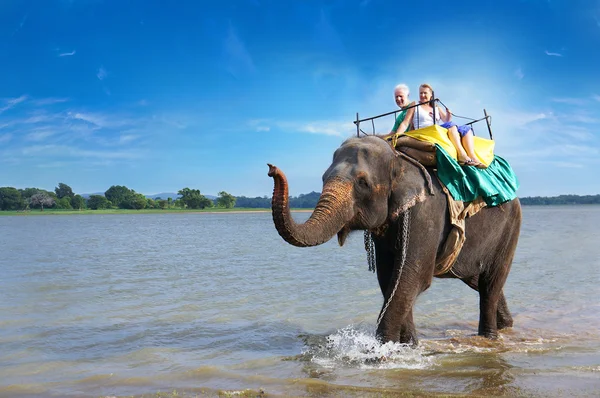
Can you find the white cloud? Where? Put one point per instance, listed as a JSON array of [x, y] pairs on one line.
[[49, 101], [39, 135], [102, 73], [99, 120], [596, 97], [88, 118], [570, 101], [581, 118], [568, 165], [319, 129], [325, 127], [553, 54], [20, 25], [12, 102], [40, 118], [334, 128], [4, 138], [519, 73], [576, 133], [68, 55], [520, 119], [74, 152], [237, 56], [126, 138], [174, 122]]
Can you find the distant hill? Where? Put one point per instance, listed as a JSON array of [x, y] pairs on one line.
[[87, 195], [164, 195]]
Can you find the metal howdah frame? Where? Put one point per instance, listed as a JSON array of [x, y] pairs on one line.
[[486, 117]]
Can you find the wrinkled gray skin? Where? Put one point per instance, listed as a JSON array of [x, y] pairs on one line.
[[365, 188]]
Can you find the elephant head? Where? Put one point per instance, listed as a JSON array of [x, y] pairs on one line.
[[367, 184]]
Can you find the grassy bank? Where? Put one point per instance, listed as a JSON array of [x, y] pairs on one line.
[[48, 212]]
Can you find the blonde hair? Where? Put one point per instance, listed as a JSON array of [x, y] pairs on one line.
[[425, 85]]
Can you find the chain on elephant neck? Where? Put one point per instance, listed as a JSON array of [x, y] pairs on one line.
[[370, 248], [405, 235]]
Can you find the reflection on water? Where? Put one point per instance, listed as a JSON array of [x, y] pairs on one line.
[[132, 304]]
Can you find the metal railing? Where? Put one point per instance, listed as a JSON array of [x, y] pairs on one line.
[[486, 117]]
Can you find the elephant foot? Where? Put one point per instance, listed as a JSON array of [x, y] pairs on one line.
[[408, 339], [505, 323], [488, 333], [504, 319]]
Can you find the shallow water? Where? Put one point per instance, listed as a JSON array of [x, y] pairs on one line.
[[97, 305]]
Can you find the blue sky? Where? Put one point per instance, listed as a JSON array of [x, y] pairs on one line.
[[158, 95]]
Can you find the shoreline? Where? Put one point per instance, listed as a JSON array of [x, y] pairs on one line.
[[53, 212]]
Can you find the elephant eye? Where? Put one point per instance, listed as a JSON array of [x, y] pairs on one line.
[[362, 182]]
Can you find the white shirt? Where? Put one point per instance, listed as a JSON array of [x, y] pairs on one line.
[[422, 118]]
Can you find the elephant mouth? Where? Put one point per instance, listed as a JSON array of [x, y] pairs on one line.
[[343, 234]]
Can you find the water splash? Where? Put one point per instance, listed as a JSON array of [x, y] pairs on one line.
[[357, 346]]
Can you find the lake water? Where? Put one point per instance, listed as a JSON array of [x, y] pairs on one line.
[[97, 305]]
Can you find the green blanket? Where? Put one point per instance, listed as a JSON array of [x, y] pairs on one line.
[[496, 184]]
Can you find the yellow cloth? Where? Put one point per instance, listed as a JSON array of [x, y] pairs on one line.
[[484, 148]]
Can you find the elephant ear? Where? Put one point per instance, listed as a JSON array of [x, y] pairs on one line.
[[411, 184]]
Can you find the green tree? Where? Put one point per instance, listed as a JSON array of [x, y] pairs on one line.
[[64, 203], [119, 196], [137, 201], [226, 200], [98, 202], [163, 204], [78, 202], [169, 202], [10, 199], [27, 193], [63, 191], [206, 202], [40, 200], [151, 203], [193, 199]]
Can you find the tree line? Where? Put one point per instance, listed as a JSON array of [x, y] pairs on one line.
[[121, 197], [561, 200], [117, 196]]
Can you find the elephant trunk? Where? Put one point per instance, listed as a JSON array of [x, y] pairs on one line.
[[332, 212]]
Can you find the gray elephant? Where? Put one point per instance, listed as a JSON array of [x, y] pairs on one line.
[[370, 186]]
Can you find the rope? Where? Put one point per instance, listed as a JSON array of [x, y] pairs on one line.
[[405, 235], [421, 167], [454, 115]]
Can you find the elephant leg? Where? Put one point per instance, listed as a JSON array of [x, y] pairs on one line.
[[503, 317], [384, 260], [490, 286], [397, 324], [397, 321], [408, 332]]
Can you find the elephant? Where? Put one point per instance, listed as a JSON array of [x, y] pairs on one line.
[[372, 187]]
